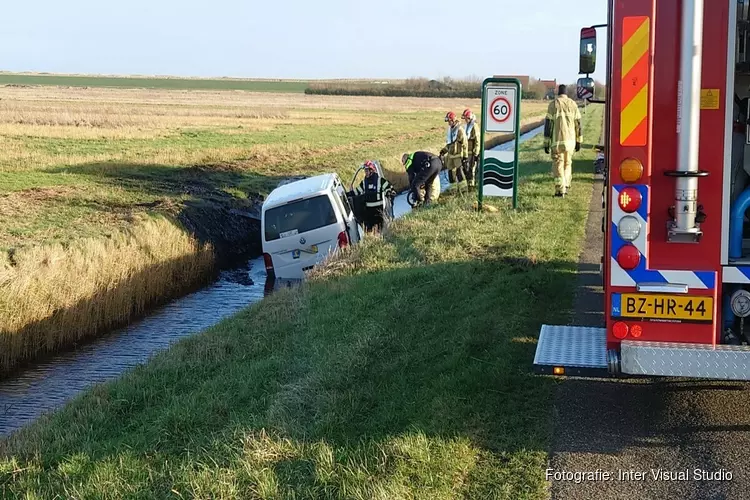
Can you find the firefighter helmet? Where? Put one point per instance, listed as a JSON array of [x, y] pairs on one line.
[[467, 114], [450, 117], [370, 166]]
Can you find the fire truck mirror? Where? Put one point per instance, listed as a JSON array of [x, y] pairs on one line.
[[587, 64], [585, 88]]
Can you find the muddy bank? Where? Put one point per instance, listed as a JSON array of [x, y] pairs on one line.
[[230, 226]]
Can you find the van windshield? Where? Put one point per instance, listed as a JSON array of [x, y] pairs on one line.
[[299, 217]]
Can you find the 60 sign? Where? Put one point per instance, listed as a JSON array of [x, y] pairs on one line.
[[500, 109]]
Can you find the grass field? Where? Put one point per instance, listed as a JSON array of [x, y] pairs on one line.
[[155, 82], [86, 169], [400, 371]]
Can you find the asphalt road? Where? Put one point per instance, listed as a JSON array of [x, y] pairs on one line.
[[672, 425]]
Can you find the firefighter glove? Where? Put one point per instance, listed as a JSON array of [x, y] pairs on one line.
[[546, 149], [443, 151], [578, 146], [464, 162]]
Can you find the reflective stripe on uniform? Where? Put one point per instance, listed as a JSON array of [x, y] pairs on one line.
[[409, 161], [374, 196]]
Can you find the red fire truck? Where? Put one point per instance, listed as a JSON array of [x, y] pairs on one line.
[[676, 265]]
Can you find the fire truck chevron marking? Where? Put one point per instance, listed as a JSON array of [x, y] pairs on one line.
[[642, 273], [635, 42], [736, 274], [634, 72]]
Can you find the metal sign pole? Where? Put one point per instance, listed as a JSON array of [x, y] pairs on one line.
[[501, 112], [481, 152]]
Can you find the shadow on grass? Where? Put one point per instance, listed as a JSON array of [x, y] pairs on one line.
[[217, 203], [205, 181]]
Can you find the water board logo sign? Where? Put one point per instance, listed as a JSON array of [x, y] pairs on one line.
[[584, 93], [497, 179]]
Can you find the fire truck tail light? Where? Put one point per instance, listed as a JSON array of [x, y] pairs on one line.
[[629, 200], [629, 228], [636, 331], [631, 170], [628, 257], [620, 330]]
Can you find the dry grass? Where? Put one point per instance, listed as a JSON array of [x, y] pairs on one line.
[[52, 296]]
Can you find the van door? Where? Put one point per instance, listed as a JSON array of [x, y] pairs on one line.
[[353, 228]]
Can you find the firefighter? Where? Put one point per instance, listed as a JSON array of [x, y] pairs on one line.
[[375, 188], [433, 187], [424, 170], [562, 136], [473, 138], [456, 150]]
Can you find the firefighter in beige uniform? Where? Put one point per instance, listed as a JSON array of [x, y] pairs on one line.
[[562, 136], [456, 149], [473, 138]]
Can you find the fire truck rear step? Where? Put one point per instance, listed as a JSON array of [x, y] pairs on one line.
[[582, 352], [670, 359], [572, 350]]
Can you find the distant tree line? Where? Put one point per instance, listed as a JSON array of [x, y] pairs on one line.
[[413, 87], [423, 87]]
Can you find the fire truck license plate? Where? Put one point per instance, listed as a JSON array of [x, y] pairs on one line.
[[664, 307]]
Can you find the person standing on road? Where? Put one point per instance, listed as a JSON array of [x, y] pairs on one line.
[[424, 170], [562, 136], [473, 138], [375, 188], [456, 150]]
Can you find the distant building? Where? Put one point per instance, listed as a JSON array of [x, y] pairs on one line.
[[524, 79], [551, 86]]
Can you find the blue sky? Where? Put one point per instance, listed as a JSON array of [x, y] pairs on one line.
[[300, 39]]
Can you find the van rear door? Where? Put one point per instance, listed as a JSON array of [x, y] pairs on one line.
[[301, 233]]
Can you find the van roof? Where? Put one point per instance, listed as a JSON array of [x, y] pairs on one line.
[[300, 189]]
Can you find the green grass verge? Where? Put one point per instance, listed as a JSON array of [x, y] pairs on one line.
[[155, 83], [403, 371]]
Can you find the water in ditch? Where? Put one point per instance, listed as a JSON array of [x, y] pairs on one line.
[[46, 385]]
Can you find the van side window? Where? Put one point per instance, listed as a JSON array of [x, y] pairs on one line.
[[299, 217]]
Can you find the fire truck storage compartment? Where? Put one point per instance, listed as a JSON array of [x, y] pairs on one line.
[[736, 294], [739, 223]]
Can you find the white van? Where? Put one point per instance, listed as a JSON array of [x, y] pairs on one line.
[[302, 222]]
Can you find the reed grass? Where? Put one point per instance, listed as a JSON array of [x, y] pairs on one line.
[[52, 296]]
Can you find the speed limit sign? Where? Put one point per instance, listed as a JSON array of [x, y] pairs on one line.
[[501, 103], [500, 108]]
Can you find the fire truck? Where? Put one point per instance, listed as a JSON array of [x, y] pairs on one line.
[[676, 252]]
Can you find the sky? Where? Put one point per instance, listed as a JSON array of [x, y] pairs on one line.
[[301, 39]]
